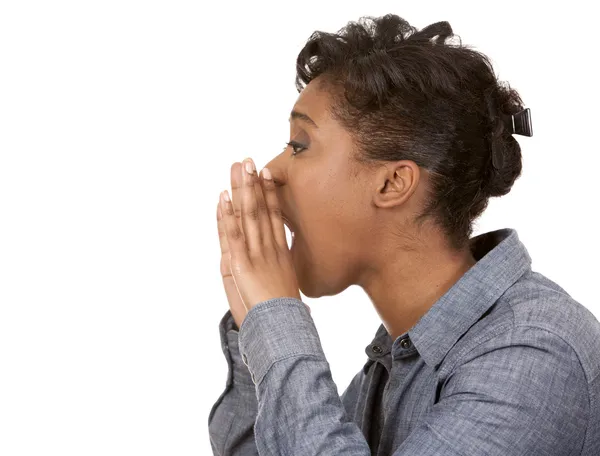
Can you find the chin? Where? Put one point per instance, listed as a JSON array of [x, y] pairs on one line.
[[306, 288], [317, 288], [309, 288]]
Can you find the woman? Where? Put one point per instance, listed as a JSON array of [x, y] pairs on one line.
[[398, 140]]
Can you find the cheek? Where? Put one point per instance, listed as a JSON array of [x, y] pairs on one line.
[[327, 228], [326, 207]]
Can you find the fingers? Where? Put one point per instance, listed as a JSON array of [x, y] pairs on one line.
[[250, 212], [266, 231], [236, 190], [259, 219], [235, 238], [222, 238], [273, 209], [221, 229]]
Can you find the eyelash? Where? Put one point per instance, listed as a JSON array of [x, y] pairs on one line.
[[293, 145]]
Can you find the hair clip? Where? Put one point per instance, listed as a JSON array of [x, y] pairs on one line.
[[519, 123]]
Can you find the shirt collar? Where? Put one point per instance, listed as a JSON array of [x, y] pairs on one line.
[[501, 260]]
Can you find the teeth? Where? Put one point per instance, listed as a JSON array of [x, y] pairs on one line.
[[291, 237]]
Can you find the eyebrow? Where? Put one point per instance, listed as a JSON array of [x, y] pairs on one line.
[[302, 116]]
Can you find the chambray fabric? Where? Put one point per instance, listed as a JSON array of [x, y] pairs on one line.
[[505, 363]]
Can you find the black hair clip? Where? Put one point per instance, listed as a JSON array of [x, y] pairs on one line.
[[519, 123]]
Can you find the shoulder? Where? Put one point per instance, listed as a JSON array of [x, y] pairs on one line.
[[523, 385], [540, 303], [535, 311]]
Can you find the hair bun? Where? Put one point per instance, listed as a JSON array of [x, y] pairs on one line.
[[504, 165]]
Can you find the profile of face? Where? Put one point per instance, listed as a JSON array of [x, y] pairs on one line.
[[343, 213]]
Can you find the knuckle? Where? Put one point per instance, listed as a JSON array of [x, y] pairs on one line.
[[262, 205], [275, 211], [236, 233], [253, 213]]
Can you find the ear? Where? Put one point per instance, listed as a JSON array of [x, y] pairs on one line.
[[395, 183]]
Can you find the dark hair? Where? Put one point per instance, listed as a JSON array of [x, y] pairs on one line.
[[408, 94]]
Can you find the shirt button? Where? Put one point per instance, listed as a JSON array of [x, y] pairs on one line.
[[245, 359], [405, 343], [377, 349]]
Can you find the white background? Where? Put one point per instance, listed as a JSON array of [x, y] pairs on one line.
[[119, 121]]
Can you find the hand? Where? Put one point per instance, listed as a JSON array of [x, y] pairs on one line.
[[260, 260], [236, 305]]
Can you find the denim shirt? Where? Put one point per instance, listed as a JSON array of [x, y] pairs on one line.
[[506, 363]]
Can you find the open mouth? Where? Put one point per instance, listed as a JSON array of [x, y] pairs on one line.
[[290, 239]]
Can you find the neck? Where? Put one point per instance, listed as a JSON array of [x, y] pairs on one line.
[[404, 289]]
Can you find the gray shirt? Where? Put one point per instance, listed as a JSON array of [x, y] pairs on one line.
[[505, 363]]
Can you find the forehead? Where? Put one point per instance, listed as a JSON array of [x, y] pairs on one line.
[[314, 101]]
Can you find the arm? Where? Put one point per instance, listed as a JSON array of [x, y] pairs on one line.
[[299, 409], [231, 419], [522, 392]]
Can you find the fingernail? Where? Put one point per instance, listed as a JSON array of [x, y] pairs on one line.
[[249, 166], [266, 173], [226, 196]]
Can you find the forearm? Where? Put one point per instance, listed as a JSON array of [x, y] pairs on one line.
[[232, 417], [299, 409]]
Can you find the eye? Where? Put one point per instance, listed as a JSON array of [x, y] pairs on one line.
[[294, 145]]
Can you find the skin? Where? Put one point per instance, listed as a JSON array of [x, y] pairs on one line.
[[354, 225]]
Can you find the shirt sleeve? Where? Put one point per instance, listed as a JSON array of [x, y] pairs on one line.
[[299, 409], [231, 418], [522, 392]]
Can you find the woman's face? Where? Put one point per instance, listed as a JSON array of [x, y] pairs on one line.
[[326, 196]]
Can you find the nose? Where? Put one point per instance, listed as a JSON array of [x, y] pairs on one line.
[[278, 171]]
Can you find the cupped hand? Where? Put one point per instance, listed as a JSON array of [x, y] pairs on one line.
[[260, 261], [236, 305]]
